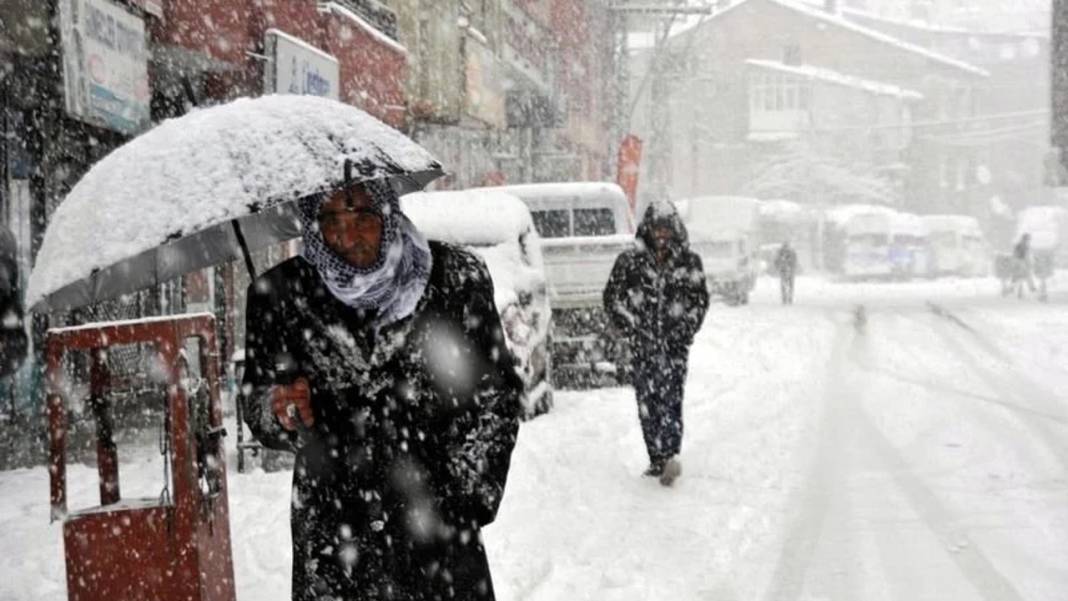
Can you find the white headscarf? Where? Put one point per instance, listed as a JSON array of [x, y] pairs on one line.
[[392, 286]]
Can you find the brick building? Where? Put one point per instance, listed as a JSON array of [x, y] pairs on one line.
[[896, 86], [1010, 132], [500, 90]]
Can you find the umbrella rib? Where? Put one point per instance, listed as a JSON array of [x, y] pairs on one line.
[[244, 249]]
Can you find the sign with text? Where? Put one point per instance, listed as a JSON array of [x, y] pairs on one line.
[[297, 67], [105, 65]]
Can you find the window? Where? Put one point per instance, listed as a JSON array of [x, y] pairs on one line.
[[594, 222], [771, 93], [552, 224]]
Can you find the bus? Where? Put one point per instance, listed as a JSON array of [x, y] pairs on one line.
[[958, 246]]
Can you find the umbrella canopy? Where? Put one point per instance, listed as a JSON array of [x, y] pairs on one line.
[[165, 203]]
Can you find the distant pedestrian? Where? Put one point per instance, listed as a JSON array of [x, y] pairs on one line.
[[1023, 267], [14, 343], [786, 266], [657, 298]]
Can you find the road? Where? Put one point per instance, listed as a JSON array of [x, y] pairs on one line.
[[921, 456]]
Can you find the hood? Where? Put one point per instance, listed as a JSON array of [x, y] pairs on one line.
[[663, 213]]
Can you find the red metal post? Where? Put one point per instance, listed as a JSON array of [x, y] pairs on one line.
[[169, 549]]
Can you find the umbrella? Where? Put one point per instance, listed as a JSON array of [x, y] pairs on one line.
[[207, 188]]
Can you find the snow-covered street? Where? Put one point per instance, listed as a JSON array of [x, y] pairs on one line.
[[922, 455]]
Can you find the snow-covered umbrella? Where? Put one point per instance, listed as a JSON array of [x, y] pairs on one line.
[[207, 188]]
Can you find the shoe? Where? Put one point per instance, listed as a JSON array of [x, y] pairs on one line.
[[655, 470], [672, 470]]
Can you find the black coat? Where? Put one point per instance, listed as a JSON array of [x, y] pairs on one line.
[[414, 430], [14, 343], [786, 262], [658, 307]]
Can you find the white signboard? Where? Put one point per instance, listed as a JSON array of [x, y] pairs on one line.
[[297, 67], [105, 65]]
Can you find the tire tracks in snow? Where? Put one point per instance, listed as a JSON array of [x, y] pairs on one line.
[[799, 546], [845, 420], [1047, 421]]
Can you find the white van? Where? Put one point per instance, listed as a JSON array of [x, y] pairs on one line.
[[723, 232], [584, 227], [958, 246]]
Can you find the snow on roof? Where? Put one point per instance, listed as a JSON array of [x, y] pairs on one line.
[[844, 23], [370, 29], [468, 217], [831, 76], [927, 26]]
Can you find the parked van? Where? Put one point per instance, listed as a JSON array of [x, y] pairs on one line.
[[583, 227], [958, 246]]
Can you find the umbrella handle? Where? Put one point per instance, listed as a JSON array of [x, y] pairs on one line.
[[244, 250]]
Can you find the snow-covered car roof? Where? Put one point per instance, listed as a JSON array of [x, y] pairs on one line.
[[491, 223], [958, 223], [477, 217]]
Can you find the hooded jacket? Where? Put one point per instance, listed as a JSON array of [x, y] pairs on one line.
[[658, 306], [413, 433]]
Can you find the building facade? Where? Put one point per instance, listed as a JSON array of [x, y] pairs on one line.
[[501, 90], [884, 89]]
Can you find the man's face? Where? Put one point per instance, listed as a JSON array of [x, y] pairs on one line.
[[662, 235], [352, 227]]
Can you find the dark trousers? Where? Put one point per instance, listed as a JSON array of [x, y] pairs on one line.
[[786, 284], [659, 379]]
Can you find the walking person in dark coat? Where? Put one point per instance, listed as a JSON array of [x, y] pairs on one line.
[[379, 359], [1023, 265], [14, 343], [657, 298], [786, 266]]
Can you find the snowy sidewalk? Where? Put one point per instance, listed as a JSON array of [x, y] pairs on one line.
[[578, 522], [920, 460]]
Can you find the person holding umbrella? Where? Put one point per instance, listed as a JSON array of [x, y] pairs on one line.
[[379, 359]]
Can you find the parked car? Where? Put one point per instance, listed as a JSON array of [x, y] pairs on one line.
[[723, 232], [958, 246], [499, 228], [584, 227]]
